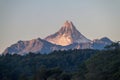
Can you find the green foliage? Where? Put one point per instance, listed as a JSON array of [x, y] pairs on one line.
[[42, 66], [105, 65], [62, 65]]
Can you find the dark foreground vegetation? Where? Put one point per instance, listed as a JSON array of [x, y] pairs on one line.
[[63, 65]]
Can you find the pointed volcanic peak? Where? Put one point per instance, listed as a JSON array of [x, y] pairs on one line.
[[68, 34], [35, 45]]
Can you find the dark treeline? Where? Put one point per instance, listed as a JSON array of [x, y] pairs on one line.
[[62, 65]]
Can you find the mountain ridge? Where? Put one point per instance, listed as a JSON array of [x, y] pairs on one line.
[[67, 37], [34, 45]]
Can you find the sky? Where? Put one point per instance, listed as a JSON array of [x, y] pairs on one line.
[[30, 19]]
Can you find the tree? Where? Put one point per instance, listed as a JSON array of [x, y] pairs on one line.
[[114, 45], [41, 74], [23, 77], [65, 76], [55, 73]]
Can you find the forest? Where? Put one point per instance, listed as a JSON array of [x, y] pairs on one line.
[[85, 64]]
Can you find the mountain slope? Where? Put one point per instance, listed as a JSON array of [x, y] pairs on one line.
[[67, 35], [35, 45], [101, 43]]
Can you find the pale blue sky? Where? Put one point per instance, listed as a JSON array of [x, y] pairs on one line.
[[29, 19]]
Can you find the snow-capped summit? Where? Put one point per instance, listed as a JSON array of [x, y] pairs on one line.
[[67, 35]]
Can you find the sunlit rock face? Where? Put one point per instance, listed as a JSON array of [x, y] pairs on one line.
[[67, 35]]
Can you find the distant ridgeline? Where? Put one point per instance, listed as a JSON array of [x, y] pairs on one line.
[[75, 64], [68, 37]]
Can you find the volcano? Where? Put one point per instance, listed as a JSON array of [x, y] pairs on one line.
[[68, 34]]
